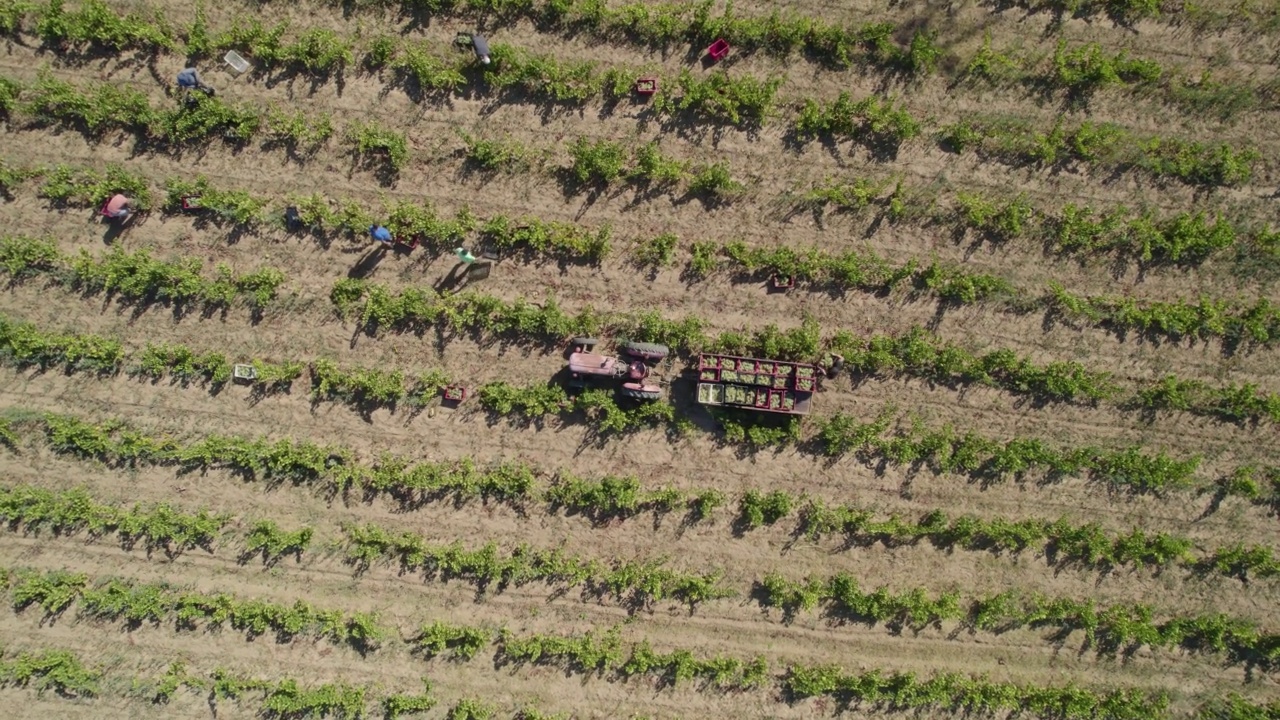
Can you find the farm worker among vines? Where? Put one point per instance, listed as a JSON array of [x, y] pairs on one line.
[[117, 207], [481, 44], [380, 234], [189, 79], [464, 256]]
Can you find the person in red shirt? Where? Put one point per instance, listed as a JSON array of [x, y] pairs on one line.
[[118, 207]]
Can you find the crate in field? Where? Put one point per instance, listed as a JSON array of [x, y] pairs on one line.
[[244, 372], [237, 63]]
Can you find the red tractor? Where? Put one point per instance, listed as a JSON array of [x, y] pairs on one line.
[[588, 368]]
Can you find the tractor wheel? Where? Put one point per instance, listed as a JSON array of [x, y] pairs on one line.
[[648, 351], [586, 342], [640, 394]]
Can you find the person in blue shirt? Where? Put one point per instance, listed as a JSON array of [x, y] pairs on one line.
[[380, 234], [189, 80]]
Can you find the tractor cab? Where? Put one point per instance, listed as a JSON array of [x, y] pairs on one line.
[[587, 367]]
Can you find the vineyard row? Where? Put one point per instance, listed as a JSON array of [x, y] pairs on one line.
[[880, 124], [603, 652], [1077, 71], [67, 674], [1118, 628], [942, 450], [1235, 324], [69, 677], [136, 277], [1184, 239], [336, 471]]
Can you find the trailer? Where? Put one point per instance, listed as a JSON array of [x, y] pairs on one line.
[[756, 384]]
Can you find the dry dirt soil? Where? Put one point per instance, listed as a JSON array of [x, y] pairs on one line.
[[304, 328]]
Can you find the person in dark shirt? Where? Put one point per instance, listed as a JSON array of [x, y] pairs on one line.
[[481, 45]]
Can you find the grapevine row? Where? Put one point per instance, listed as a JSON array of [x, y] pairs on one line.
[[65, 673], [336, 470], [1109, 629], [634, 583], [137, 604], [1234, 324], [1079, 71], [1115, 629], [944, 451], [136, 277], [744, 102], [1181, 239], [962, 693], [159, 526], [63, 670], [591, 653]]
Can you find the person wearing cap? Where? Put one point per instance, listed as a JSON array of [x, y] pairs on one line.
[[464, 255], [118, 207], [381, 234], [481, 44]]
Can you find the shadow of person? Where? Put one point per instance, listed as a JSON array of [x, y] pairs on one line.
[[453, 280], [369, 262], [115, 227]]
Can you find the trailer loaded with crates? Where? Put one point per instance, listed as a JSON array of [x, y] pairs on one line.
[[756, 384]]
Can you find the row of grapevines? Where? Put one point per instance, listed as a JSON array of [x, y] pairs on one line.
[[954, 691], [56, 670], [1234, 324], [159, 526], [71, 511], [1182, 239], [185, 365], [1117, 628], [865, 271], [65, 185], [598, 407], [138, 603], [137, 277], [924, 355], [1082, 70], [412, 310], [601, 653], [606, 498], [640, 583], [719, 97], [1127, 12], [63, 671], [943, 451], [971, 454], [1106, 146], [367, 387], [23, 345], [868, 272]]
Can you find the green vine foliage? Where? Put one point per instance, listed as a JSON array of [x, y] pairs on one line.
[[637, 583], [138, 278], [605, 653], [877, 688], [1116, 629], [138, 603], [75, 511], [25, 345], [971, 454], [56, 670]]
